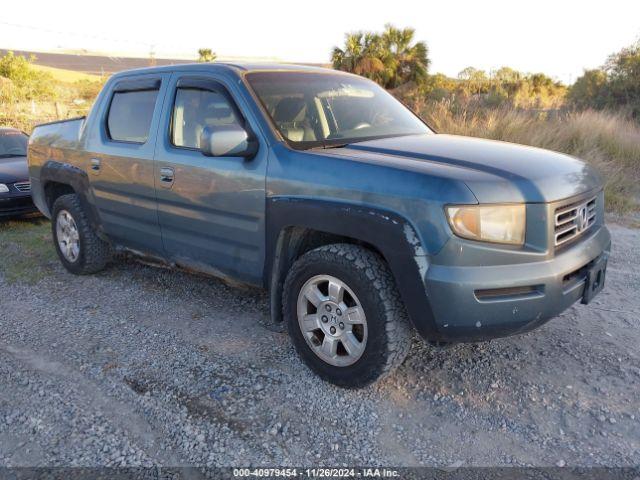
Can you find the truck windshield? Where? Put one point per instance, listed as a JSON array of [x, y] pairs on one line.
[[13, 143], [327, 110]]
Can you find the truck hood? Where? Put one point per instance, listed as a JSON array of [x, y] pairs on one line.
[[13, 169], [494, 171]]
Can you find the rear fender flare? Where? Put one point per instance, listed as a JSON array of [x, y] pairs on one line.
[[78, 180]]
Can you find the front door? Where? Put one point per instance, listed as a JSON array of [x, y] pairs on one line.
[[211, 209], [120, 161]]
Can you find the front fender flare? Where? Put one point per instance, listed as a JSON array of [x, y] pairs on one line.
[[390, 233]]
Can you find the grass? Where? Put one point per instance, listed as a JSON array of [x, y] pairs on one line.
[[26, 250], [607, 141], [62, 75]]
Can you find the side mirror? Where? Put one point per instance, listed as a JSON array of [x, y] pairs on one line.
[[227, 141]]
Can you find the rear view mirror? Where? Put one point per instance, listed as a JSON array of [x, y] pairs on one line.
[[227, 141]]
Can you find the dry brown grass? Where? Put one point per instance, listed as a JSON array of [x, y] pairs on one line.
[[610, 142], [26, 115]]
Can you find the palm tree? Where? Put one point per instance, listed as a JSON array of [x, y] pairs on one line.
[[391, 58], [361, 55], [405, 60], [206, 55]]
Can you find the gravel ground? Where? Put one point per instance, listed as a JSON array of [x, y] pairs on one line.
[[146, 366]]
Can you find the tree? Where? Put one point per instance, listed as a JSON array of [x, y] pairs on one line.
[[506, 75], [614, 86], [391, 58], [405, 60], [206, 55], [362, 54], [589, 90], [473, 81], [623, 70], [438, 87]]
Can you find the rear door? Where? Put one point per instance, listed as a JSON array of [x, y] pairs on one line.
[[211, 209], [121, 165]]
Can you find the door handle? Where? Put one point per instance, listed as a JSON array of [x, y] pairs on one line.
[[166, 175], [95, 164]]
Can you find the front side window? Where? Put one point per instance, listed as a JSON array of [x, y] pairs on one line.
[[321, 109], [130, 115], [13, 143], [194, 110]]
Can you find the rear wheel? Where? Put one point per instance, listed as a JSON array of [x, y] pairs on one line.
[[80, 250], [345, 316]]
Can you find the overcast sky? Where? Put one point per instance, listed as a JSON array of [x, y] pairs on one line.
[[557, 37]]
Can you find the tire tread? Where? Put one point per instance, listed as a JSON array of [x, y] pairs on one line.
[[95, 252], [376, 271]]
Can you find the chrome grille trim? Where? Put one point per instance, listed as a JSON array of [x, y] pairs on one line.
[[23, 187], [571, 221]]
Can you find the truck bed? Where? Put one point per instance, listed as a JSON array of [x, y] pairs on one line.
[[57, 141]]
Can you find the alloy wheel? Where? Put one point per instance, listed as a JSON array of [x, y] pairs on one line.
[[332, 320], [68, 236]]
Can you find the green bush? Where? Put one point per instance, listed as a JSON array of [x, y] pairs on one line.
[[88, 89], [26, 83]]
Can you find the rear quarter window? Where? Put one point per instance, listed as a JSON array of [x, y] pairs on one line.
[[130, 115]]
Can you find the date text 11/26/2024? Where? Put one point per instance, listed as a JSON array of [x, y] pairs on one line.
[[316, 472]]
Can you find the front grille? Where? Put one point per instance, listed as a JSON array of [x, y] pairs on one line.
[[573, 220], [23, 186]]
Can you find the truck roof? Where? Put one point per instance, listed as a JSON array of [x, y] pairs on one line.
[[234, 66]]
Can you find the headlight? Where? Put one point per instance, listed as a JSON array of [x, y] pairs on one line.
[[3, 188], [489, 223]]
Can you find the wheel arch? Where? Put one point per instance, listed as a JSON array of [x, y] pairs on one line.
[[57, 179], [298, 225], [55, 189]]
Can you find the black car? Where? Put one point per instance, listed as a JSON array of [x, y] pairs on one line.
[[15, 188]]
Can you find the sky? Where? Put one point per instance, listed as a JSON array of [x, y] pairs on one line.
[[558, 37]]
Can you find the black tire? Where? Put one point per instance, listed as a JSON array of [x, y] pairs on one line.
[[94, 253], [368, 276]]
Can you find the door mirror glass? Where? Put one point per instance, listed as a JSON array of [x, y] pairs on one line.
[[227, 141]]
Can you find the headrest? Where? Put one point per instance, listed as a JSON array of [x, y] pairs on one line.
[[290, 109]]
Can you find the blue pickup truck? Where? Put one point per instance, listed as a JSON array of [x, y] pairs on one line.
[[360, 221]]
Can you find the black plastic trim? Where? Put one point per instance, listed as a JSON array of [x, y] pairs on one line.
[[66, 174], [124, 86], [392, 235]]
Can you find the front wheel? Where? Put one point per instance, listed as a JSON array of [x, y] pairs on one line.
[[345, 316]]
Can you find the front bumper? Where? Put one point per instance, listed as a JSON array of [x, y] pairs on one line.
[[483, 302], [13, 205]]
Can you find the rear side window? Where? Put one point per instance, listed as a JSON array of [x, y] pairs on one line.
[[194, 110], [130, 115]]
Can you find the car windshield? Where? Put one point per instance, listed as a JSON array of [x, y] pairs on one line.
[[331, 109], [13, 143]]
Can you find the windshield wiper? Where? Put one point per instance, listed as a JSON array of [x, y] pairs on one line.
[[9, 155], [334, 145]]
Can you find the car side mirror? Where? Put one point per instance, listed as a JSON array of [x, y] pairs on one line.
[[227, 141]]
